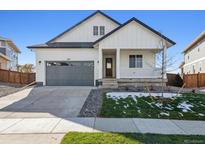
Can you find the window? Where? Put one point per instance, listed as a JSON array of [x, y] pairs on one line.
[[102, 30], [188, 57], [135, 61], [95, 30], [2, 43], [198, 49], [193, 69]]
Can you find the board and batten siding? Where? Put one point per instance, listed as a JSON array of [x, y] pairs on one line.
[[44, 55], [132, 36], [196, 59], [147, 71], [84, 31]]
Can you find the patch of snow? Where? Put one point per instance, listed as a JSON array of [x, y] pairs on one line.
[[164, 113], [126, 106], [124, 112], [181, 114], [168, 108], [201, 114], [118, 95], [117, 103], [159, 105], [185, 107]]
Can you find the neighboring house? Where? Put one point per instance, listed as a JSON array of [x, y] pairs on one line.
[[8, 54], [194, 56], [100, 50]]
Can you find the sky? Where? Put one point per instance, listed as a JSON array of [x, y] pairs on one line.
[[33, 27]]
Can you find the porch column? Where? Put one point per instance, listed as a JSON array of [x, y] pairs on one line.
[[118, 63], [100, 61], [165, 60]]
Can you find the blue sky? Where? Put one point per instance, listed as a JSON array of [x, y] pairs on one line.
[[33, 27]]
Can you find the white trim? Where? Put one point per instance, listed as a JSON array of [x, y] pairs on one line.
[[194, 61], [7, 58], [118, 63]]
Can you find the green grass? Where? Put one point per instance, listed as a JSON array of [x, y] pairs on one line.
[[148, 107], [129, 138]]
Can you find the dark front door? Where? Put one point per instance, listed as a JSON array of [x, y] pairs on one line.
[[108, 67]]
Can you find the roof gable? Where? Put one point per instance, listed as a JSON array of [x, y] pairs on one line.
[[142, 24], [83, 21]]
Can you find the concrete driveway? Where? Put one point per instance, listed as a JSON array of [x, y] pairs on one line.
[[44, 102]]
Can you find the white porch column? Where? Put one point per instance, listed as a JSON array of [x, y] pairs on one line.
[[165, 60], [100, 60], [118, 63]]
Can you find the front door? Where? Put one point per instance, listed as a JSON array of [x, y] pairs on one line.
[[108, 67]]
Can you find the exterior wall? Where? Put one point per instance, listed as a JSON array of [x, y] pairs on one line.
[[147, 71], [132, 36], [11, 54], [84, 31], [195, 58], [44, 55], [3, 63]]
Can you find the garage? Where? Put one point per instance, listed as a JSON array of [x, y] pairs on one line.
[[70, 73]]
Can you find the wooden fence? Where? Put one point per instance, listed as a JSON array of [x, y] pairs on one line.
[[16, 77], [194, 80], [174, 80]]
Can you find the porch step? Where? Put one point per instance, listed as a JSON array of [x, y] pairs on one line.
[[109, 83]]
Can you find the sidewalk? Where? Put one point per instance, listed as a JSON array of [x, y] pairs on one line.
[[134, 125]]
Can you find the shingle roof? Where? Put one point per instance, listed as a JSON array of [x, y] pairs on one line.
[[64, 45]]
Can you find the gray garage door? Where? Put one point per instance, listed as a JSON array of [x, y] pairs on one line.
[[70, 73]]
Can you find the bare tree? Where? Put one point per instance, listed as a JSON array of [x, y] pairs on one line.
[[26, 68], [164, 63]]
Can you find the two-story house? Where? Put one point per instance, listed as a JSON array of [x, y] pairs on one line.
[[8, 54], [100, 50], [194, 56]]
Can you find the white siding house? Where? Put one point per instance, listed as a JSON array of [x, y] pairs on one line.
[[8, 54], [99, 49], [194, 56]]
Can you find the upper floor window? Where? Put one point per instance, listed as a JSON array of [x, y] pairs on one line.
[[102, 30], [135, 61], [198, 49], [188, 57], [95, 30], [2, 43]]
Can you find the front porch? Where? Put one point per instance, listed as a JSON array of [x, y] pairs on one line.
[[115, 69]]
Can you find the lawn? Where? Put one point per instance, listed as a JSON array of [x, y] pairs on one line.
[[140, 105], [129, 138]]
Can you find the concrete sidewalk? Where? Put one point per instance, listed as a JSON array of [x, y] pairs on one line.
[[52, 130], [134, 125]]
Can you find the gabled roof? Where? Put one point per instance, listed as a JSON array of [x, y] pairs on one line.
[[139, 22], [10, 43], [64, 45], [197, 40], [93, 14]]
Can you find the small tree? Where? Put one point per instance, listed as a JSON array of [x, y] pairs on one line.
[[163, 63]]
